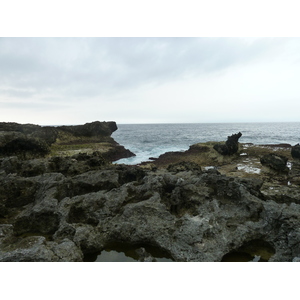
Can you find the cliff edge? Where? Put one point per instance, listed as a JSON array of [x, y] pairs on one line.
[[33, 141]]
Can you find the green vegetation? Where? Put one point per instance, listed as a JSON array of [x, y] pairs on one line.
[[71, 149]]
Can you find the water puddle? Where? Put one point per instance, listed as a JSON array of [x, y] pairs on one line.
[[255, 251], [236, 256], [248, 169], [120, 252]]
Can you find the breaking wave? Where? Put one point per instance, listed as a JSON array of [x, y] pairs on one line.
[[152, 140]]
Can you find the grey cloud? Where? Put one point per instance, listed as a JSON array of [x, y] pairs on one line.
[[87, 67], [33, 106]]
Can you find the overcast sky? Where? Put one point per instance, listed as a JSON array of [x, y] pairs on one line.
[[149, 80]]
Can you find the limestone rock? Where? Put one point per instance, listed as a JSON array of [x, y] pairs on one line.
[[63, 209], [33, 141], [275, 161], [91, 129], [296, 151], [231, 145], [184, 166], [25, 147]]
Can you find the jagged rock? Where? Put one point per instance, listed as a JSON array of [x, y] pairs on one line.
[[296, 259], [294, 173], [91, 129], [144, 256], [184, 166], [287, 194], [49, 133], [129, 173], [17, 191], [231, 145], [61, 209], [25, 147], [33, 141], [15, 130], [275, 161], [295, 152], [37, 249]]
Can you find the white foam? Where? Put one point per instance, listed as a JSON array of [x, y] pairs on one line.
[[208, 168], [248, 169]]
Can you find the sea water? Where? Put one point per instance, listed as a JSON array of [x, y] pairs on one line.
[[152, 140]]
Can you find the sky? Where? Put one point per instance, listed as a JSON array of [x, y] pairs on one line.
[[156, 70], [149, 80]]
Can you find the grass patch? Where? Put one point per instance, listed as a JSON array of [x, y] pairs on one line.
[[71, 149]]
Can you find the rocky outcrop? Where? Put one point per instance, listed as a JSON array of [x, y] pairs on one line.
[[295, 152], [64, 209], [94, 129], [25, 147], [10, 131], [231, 145], [197, 205], [275, 162], [34, 141]]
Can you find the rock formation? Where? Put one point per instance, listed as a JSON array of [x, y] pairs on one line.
[[231, 145], [64, 209], [34, 141], [275, 161], [197, 205], [296, 151]]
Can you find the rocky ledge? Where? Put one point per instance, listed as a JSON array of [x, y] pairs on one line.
[[197, 205], [34, 141]]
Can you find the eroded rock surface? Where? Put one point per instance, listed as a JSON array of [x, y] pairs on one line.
[[296, 151], [34, 141], [230, 147], [64, 209], [237, 204], [275, 161]]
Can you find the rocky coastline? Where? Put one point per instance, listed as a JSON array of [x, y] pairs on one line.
[[62, 199]]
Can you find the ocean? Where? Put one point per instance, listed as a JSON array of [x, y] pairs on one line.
[[152, 140]]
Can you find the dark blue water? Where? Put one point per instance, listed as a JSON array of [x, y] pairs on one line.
[[152, 140]]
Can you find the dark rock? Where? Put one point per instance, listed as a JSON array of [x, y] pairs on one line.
[[287, 195], [88, 238], [25, 147], [91, 129], [117, 152], [23, 128], [275, 161], [231, 145], [32, 141], [189, 214], [10, 164], [296, 151], [253, 185], [65, 230], [47, 134], [198, 149], [184, 166], [129, 173], [37, 249], [213, 171], [17, 191], [89, 182], [294, 173], [222, 186], [144, 256]]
